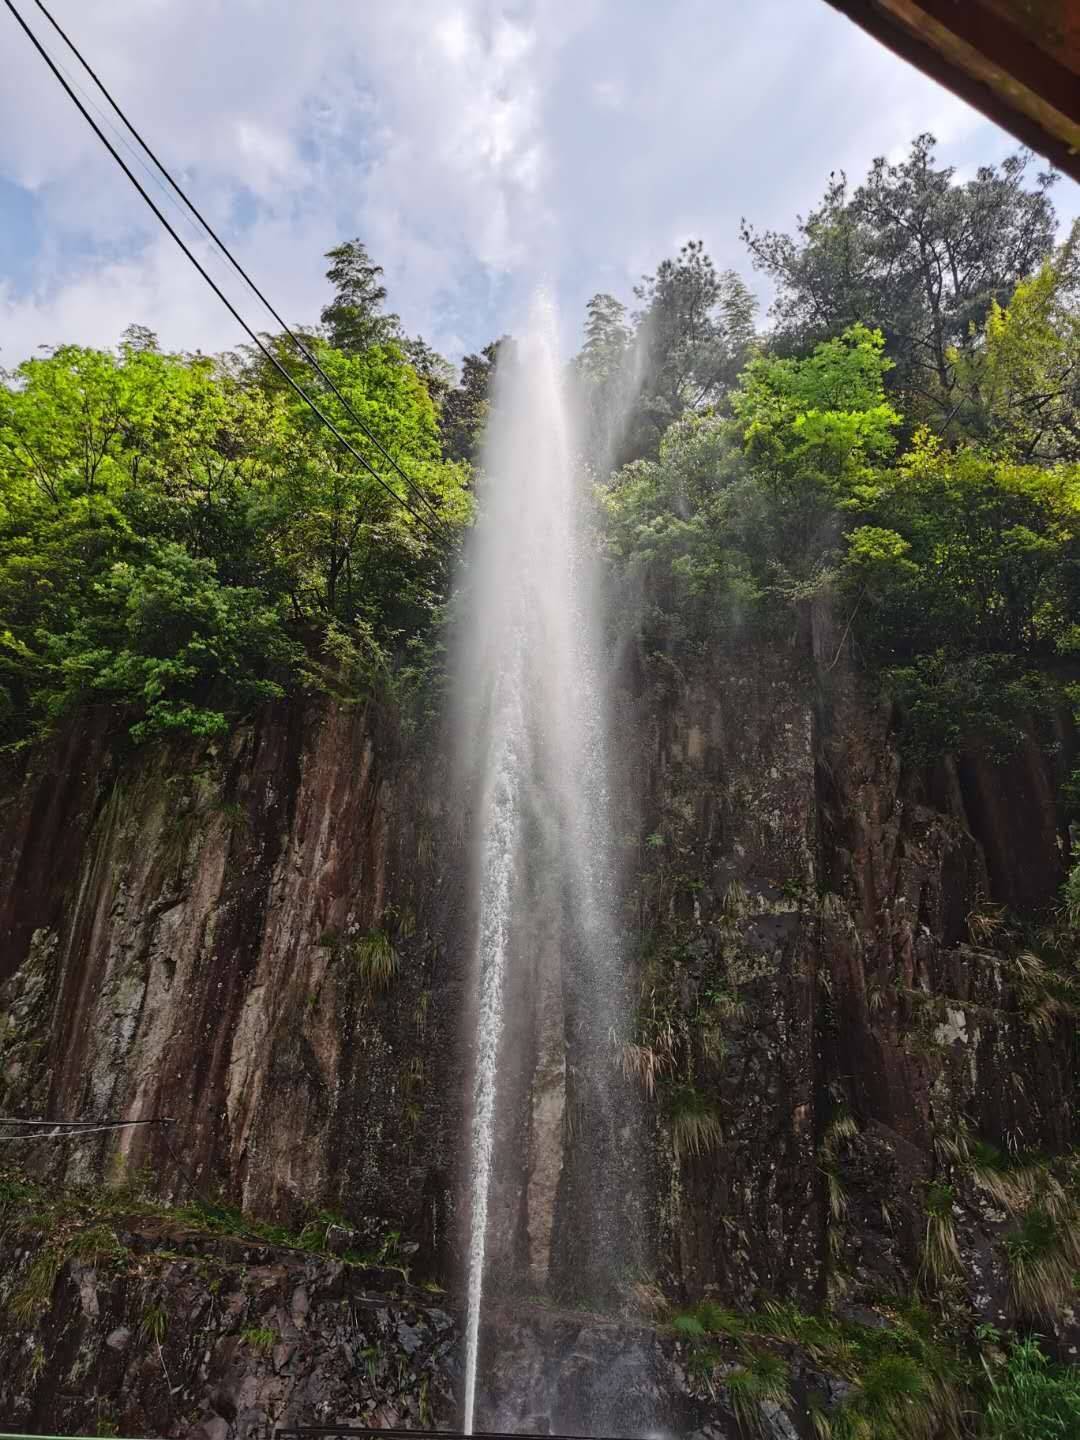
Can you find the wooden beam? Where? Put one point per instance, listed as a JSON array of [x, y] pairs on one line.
[[1012, 59]]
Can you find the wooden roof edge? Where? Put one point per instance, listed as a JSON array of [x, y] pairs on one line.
[[988, 62]]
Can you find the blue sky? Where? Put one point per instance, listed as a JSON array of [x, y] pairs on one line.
[[477, 147]]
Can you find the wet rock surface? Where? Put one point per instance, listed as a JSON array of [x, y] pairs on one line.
[[226, 1341], [189, 933]]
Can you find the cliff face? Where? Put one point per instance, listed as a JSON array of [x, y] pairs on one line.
[[270, 942], [817, 902], [259, 943]]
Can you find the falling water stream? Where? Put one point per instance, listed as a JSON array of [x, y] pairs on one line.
[[533, 715]]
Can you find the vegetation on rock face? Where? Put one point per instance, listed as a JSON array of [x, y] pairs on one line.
[[1032, 1399], [907, 1376], [197, 1298], [95, 1223], [952, 564]]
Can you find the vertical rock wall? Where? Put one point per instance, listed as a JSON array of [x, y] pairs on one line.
[[198, 935], [269, 942]]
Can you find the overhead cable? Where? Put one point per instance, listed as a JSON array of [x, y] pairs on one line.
[[69, 1129], [303, 349], [270, 356]]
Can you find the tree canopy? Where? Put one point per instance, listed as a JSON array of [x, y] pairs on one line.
[[182, 539], [914, 254]]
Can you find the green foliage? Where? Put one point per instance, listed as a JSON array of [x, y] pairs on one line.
[[466, 406], [822, 420], [708, 1318], [153, 1323], [940, 1253], [34, 1294], [762, 1377], [692, 335], [893, 1400], [737, 520], [181, 538], [956, 565], [947, 700], [921, 255], [375, 959], [157, 636], [259, 1338], [986, 555], [677, 355], [1031, 1399], [81, 1222], [909, 1379], [354, 318], [1021, 387], [841, 1128]]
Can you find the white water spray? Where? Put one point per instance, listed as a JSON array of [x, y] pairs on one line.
[[533, 719], [501, 814]]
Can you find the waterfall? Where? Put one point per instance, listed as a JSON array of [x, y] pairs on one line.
[[533, 719]]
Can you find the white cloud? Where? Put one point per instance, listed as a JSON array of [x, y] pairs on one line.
[[476, 148]]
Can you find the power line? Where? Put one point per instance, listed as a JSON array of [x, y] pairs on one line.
[[293, 384], [69, 1129], [122, 140], [312, 360]]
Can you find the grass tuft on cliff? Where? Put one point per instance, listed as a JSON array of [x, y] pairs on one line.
[[376, 961], [1032, 1399], [909, 1378], [763, 1378], [1044, 1256], [695, 1125]]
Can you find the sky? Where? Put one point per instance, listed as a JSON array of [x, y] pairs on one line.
[[477, 148]]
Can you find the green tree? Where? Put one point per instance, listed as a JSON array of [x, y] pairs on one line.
[[182, 538], [693, 331], [465, 408], [914, 253], [434, 370], [109, 464], [354, 318], [1020, 380], [986, 551], [346, 548], [606, 378], [607, 339], [813, 433], [742, 518], [163, 637]]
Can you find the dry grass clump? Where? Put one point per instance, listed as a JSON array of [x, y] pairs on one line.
[[695, 1125], [1044, 1257]]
